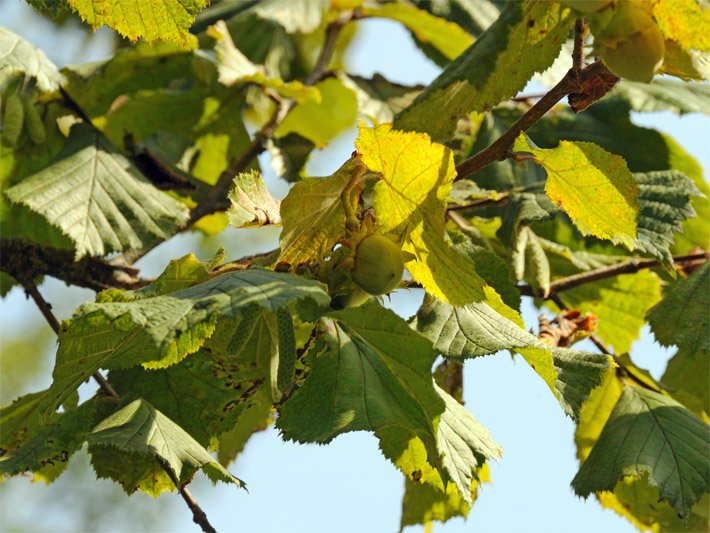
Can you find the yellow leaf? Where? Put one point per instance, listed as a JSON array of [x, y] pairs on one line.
[[166, 20], [447, 37], [684, 21], [410, 201], [593, 186]]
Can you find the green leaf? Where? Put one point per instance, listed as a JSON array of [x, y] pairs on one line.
[[141, 428], [53, 443], [650, 434], [257, 416], [664, 204], [446, 37], [302, 16], [321, 121], [481, 77], [98, 198], [289, 156], [621, 303], [665, 95], [160, 331], [370, 371], [409, 201], [166, 21], [20, 56], [196, 394], [132, 471], [477, 329], [313, 215], [686, 379], [179, 274], [19, 422], [378, 98], [422, 504], [234, 67], [681, 317], [594, 187], [358, 383], [252, 204]]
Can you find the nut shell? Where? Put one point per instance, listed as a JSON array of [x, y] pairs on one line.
[[379, 265]]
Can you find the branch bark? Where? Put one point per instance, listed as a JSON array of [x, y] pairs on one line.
[[500, 148], [26, 261]]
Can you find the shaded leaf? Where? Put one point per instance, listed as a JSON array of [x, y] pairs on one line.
[[664, 204], [140, 428], [665, 95], [594, 187], [160, 331], [252, 204], [650, 434], [379, 98], [257, 416], [302, 16], [528, 35], [167, 21], [133, 471], [234, 67], [685, 378], [98, 198], [20, 56]]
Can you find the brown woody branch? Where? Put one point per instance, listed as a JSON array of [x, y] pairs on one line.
[[26, 261], [198, 515], [627, 267], [500, 148]]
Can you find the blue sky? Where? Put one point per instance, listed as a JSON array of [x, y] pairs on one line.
[[348, 486]]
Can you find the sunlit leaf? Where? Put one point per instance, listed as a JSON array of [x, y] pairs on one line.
[[167, 20], [19, 56], [594, 187], [684, 21], [252, 204], [141, 428], [99, 198]]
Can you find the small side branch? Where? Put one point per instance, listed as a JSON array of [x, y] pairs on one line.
[[500, 148], [627, 267]]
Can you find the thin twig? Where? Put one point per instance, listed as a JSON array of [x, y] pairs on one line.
[[198, 515], [580, 32], [500, 148], [627, 267]]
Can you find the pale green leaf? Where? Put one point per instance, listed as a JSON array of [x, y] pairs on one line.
[[664, 204], [313, 215], [140, 428], [378, 98], [621, 303], [179, 274], [665, 95], [257, 416], [409, 201], [252, 204], [161, 330], [650, 434], [302, 16], [166, 21], [446, 37], [19, 56], [98, 198], [527, 34], [133, 471], [234, 67], [321, 121], [593, 186], [477, 329]]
